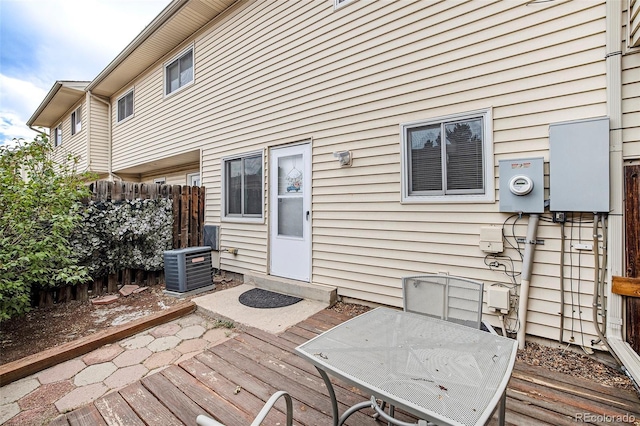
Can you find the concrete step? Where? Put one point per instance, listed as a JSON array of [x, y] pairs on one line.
[[318, 292]]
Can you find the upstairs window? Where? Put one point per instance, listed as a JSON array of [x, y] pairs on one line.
[[243, 186], [76, 120], [448, 159], [125, 106], [179, 72], [57, 135]]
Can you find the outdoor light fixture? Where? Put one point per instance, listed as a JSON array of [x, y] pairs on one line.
[[344, 157]]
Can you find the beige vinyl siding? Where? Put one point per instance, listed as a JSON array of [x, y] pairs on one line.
[[99, 130], [269, 73], [75, 145], [631, 105]]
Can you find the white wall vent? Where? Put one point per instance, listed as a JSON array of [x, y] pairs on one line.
[[188, 269]]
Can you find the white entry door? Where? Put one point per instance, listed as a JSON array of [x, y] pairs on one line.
[[290, 213]]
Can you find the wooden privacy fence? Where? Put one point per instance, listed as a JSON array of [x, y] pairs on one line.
[[188, 225]]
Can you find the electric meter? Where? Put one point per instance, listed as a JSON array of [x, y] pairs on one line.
[[521, 185]]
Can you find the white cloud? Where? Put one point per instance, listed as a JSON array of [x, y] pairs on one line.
[[19, 100], [60, 40]]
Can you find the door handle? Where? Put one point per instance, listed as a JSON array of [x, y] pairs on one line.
[[307, 215]]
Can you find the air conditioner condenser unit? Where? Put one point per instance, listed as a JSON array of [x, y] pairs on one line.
[[188, 269]]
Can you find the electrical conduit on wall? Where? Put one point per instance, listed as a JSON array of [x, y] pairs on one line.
[[527, 266]]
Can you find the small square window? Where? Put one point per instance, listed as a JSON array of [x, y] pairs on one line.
[[243, 186], [448, 159], [76, 120], [193, 179], [125, 106], [160, 181], [179, 72]]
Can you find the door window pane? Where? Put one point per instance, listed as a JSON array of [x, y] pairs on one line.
[[290, 217]]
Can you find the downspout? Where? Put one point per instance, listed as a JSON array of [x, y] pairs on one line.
[[527, 266], [108, 104], [615, 235], [88, 129]]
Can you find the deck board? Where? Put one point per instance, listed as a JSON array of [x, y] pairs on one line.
[[232, 381]]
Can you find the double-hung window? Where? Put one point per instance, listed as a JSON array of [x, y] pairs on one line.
[[76, 120], [57, 135], [179, 72], [243, 186], [125, 106], [448, 159]]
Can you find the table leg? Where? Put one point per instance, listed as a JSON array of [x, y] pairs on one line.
[[339, 420], [501, 410], [332, 395]]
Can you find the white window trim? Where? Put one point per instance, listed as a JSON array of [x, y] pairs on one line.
[[337, 4], [489, 169], [169, 62], [160, 181], [133, 105], [74, 123], [223, 198], [190, 177]]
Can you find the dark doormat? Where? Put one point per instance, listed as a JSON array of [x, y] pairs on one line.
[[264, 299]]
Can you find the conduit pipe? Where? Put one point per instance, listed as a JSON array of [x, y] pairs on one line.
[[527, 266]]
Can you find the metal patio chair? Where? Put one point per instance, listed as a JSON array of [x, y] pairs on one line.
[[445, 297], [203, 420]]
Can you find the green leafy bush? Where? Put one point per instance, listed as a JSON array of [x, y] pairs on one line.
[[39, 208]]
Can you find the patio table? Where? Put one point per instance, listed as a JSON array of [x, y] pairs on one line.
[[436, 370]]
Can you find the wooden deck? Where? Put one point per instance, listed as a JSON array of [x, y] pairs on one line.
[[232, 381]]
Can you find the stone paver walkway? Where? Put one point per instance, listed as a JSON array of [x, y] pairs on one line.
[[41, 397]]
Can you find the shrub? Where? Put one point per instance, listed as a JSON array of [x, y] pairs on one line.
[[39, 208]]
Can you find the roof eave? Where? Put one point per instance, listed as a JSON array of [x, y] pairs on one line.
[[149, 30], [73, 86]]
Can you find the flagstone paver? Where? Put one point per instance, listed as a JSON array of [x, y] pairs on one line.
[[131, 357], [125, 376], [165, 330], [46, 395], [164, 343], [8, 410], [192, 346], [80, 396], [39, 398], [63, 371], [103, 354], [16, 390], [191, 332], [139, 341], [94, 373], [159, 359]]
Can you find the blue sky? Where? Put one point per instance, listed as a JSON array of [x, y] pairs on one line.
[[42, 41]]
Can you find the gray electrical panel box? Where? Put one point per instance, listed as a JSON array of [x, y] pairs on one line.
[[522, 185], [579, 166]]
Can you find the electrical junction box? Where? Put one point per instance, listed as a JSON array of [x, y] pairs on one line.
[[491, 239], [579, 166], [522, 185], [498, 298]]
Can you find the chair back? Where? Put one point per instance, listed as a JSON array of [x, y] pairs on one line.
[[446, 297]]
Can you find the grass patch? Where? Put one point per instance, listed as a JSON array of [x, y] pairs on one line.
[[224, 324]]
